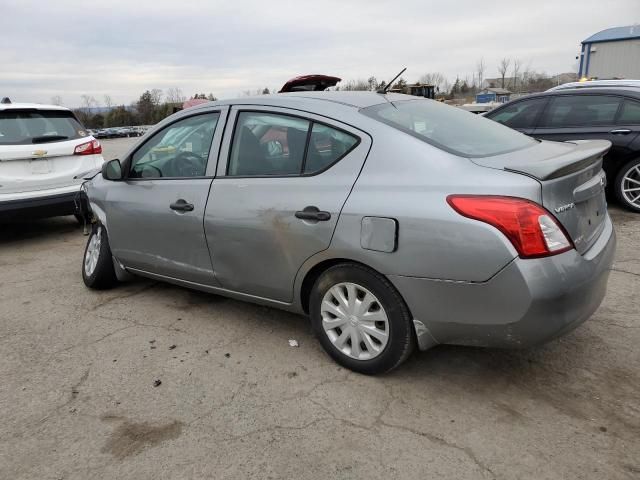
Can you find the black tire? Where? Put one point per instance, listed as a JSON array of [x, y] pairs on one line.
[[619, 185], [401, 334], [103, 275]]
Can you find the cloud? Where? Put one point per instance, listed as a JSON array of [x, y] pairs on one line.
[[122, 48]]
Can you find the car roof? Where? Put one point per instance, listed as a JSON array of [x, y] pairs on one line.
[[598, 84], [36, 106], [624, 91], [353, 99]]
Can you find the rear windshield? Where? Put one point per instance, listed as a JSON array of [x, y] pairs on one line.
[[449, 128], [24, 127]]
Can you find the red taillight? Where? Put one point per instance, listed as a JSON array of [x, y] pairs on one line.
[[90, 148], [532, 230]]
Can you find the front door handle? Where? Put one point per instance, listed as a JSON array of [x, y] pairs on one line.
[[313, 214], [620, 131], [181, 205]]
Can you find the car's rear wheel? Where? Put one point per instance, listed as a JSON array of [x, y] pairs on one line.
[[627, 185], [97, 265], [360, 319]]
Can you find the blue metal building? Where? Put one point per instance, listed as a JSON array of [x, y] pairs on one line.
[[611, 53]]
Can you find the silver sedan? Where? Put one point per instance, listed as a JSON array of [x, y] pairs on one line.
[[393, 222]]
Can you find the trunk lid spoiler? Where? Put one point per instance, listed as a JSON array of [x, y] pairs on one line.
[[584, 154]]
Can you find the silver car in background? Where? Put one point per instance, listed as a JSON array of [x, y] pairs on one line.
[[392, 221]]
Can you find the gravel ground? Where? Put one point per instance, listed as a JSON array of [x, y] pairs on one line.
[[233, 400]]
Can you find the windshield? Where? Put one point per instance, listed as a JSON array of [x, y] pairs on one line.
[[24, 127], [449, 128]]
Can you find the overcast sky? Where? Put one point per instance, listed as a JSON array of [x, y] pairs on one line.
[[123, 47]]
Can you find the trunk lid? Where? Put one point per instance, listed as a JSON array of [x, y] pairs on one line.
[[42, 166], [309, 83], [572, 183]]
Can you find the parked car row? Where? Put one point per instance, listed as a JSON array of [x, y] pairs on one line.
[[117, 132]]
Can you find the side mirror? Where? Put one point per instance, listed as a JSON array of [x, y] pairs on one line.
[[112, 170]]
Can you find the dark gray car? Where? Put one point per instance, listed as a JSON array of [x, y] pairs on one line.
[[392, 221], [584, 113]]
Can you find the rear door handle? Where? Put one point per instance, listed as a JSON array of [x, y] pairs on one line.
[[181, 205], [620, 131], [313, 214]]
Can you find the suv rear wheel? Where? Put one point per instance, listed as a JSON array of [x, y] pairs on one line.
[[360, 319], [627, 185]]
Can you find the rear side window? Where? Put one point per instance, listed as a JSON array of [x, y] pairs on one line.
[[271, 144], [630, 113], [520, 114], [581, 111], [449, 128], [24, 127], [326, 146]]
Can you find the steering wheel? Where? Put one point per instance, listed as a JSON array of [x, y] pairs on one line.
[[187, 164]]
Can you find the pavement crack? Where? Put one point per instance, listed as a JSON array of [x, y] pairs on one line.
[[625, 271], [445, 443]]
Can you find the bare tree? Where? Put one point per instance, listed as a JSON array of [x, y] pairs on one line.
[[436, 79], [56, 100], [87, 102], [517, 64], [503, 68], [156, 96], [480, 68], [108, 102], [356, 85], [175, 95]]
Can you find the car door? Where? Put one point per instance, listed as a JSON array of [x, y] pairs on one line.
[[154, 216], [627, 130], [584, 116], [520, 115], [282, 181]]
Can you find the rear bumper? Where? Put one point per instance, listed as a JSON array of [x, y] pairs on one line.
[[527, 303], [42, 206]]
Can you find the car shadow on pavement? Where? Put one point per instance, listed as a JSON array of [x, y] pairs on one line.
[[41, 229]]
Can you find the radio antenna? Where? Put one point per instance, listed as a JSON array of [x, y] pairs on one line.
[[388, 85]]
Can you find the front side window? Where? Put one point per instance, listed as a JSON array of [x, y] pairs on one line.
[[630, 114], [178, 150], [581, 111], [449, 128], [520, 114], [25, 127]]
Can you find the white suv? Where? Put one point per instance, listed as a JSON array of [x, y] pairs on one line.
[[44, 152]]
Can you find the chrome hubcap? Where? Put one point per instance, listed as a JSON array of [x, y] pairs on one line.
[[354, 321], [631, 186], [93, 252]]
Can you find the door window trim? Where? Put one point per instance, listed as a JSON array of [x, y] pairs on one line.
[[543, 99], [625, 100], [585, 94], [222, 117], [311, 121]]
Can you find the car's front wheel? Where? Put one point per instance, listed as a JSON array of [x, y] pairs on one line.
[[627, 185], [360, 319], [97, 266]]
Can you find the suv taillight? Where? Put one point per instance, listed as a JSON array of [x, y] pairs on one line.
[[90, 148], [532, 230]]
